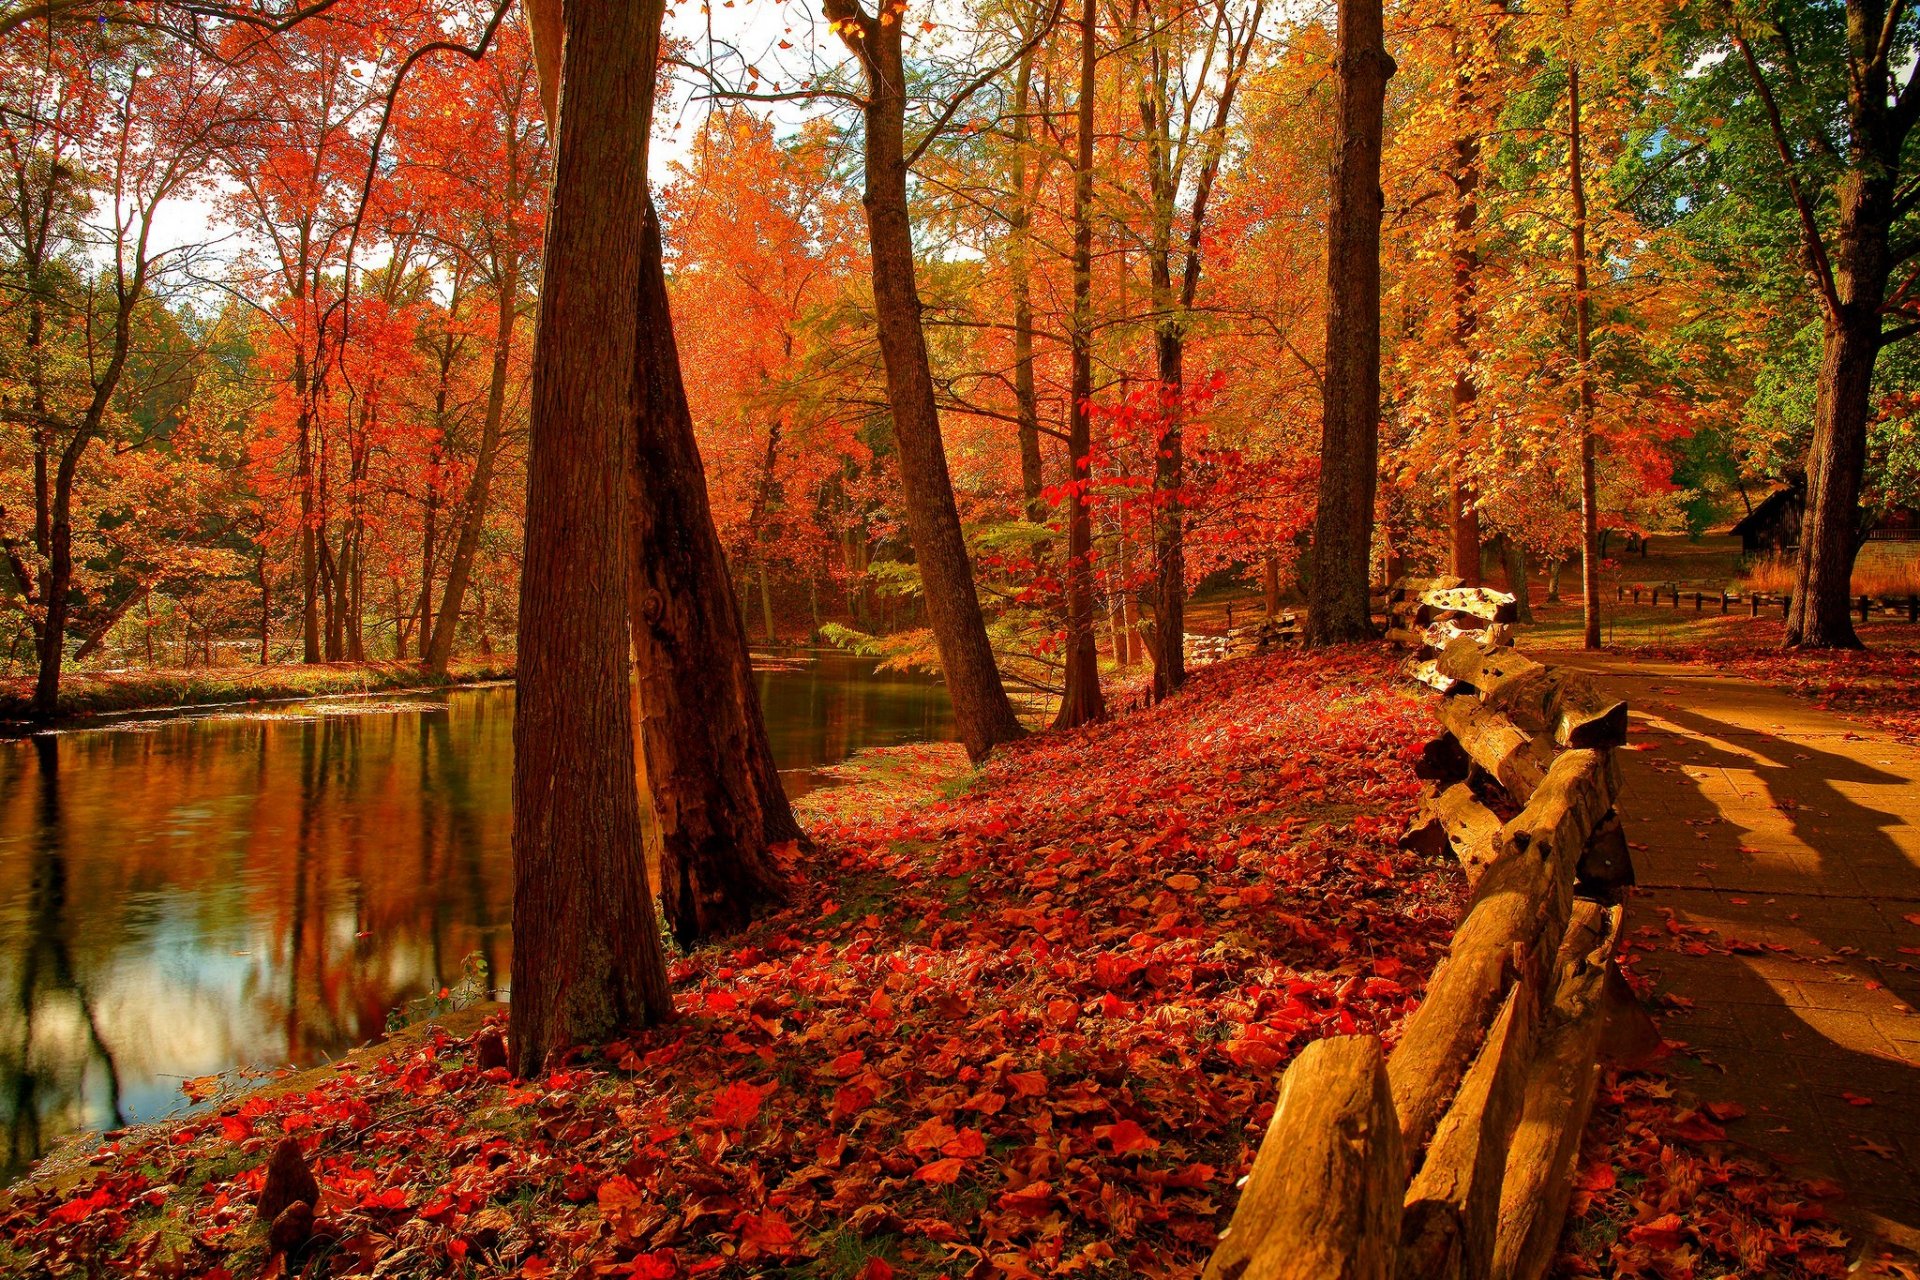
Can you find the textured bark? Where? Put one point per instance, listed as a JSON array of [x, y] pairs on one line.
[[1323, 1199], [981, 711], [717, 803], [1350, 431], [587, 959], [1819, 616], [1082, 702]]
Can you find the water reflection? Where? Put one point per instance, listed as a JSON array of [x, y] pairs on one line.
[[181, 896]]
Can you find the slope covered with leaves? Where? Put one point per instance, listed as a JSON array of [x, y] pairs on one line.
[[1033, 1029]]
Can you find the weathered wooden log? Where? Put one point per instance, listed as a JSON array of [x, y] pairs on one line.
[[1481, 602], [1452, 1214], [1520, 910], [1605, 871], [1496, 744], [1415, 586], [1454, 821], [1323, 1200], [1427, 673], [1401, 635], [1557, 1098], [1565, 705]]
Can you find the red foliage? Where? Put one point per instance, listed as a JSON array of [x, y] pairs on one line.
[[1030, 1031]]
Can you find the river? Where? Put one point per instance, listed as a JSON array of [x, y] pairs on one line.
[[185, 895]]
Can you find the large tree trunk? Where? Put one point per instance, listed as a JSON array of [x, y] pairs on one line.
[[981, 711], [438, 651], [718, 807], [1082, 701], [1820, 616], [1350, 433], [1583, 353], [587, 958]]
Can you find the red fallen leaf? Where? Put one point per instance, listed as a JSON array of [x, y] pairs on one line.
[[1664, 1232], [1856, 1099], [81, 1209], [966, 1144], [1124, 1137], [439, 1207], [876, 1269], [735, 1106], [617, 1195], [764, 1233], [390, 1200], [1724, 1111], [929, 1136], [236, 1128], [661, 1265], [1032, 1200], [1600, 1177], [1028, 1084], [1695, 1127], [940, 1171], [1253, 1054]]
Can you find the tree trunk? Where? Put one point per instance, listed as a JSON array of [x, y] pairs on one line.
[[1466, 323], [1026, 398], [1082, 701], [1583, 352], [982, 714], [718, 806], [473, 520], [1820, 615], [1350, 430], [1513, 558], [587, 959]]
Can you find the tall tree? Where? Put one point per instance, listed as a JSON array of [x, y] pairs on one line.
[[1082, 701], [715, 796], [1338, 608], [135, 120], [1848, 195], [982, 713], [1179, 162], [587, 957]]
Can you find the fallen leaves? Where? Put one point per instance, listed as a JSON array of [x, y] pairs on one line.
[[1031, 1030]]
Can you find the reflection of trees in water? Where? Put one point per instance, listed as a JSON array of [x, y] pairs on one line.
[[42, 1076]]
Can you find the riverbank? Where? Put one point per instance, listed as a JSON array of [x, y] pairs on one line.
[[1020, 1021], [87, 694]]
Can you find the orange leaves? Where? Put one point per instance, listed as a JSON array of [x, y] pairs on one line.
[[1125, 1137], [940, 1171], [735, 1105], [937, 1135]]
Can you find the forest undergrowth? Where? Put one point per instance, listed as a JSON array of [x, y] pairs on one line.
[[1026, 1022]]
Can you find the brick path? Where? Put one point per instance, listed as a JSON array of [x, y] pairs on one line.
[[1792, 834]]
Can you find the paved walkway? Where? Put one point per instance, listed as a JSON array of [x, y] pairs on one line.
[[1784, 843]]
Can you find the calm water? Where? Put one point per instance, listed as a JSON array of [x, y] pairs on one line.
[[182, 896]]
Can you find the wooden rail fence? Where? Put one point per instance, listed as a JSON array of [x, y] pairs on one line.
[[1452, 1156], [1670, 593]]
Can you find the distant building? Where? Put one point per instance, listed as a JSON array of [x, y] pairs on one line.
[[1773, 527]]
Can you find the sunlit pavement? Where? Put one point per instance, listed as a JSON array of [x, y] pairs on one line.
[[1777, 847]]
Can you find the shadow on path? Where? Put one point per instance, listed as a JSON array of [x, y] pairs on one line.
[[1778, 853]]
